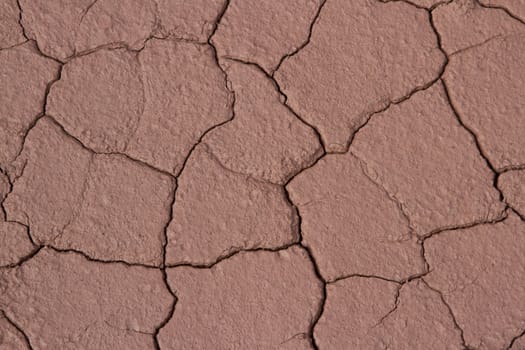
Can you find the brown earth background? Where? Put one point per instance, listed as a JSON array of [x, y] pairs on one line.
[[271, 174]]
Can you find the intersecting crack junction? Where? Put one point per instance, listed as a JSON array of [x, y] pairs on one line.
[[242, 174]]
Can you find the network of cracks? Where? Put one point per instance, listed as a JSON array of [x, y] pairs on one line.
[[312, 174]]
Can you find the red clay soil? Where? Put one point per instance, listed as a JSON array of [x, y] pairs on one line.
[[244, 174]]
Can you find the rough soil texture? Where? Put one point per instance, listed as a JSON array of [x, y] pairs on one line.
[[228, 174]]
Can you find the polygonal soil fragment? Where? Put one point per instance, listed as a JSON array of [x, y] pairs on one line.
[[63, 301], [154, 107], [512, 184], [362, 55], [515, 7], [25, 75], [99, 99], [15, 244], [480, 272], [264, 140], [421, 155], [190, 20], [64, 28], [351, 224], [362, 313], [256, 300], [125, 207], [49, 177], [465, 24], [10, 337], [217, 212], [185, 95], [420, 321], [10, 31], [353, 306], [94, 205], [487, 87], [264, 31]]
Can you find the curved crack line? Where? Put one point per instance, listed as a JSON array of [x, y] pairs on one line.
[[511, 168], [22, 260], [437, 231], [322, 302], [4, 195], [304, 44], [284, 101], [96, 260], [515, 339], [520, 215], [11, 181], [140, 116], [86, 10], [163, 267], [399, 205], [415, 90], [475, 139], [24, 34], [124, 155], [76, 213], [359, 275], [484, 42], [231, 254], [451, 313], [394, 309], [310, 255], [15, 45], [39, 116], [457, 228], [18, 328], [437, 4], [501, 8]]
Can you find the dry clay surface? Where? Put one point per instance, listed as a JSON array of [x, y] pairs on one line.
[[242, 174]]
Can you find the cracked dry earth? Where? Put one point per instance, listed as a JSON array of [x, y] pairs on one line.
[[268, 174]]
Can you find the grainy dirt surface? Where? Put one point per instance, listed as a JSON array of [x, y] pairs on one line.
[[245, 174]]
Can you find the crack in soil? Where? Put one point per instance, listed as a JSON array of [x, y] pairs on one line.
[[502, 8], [18, 328], [451, 312], [233, 251], [303, 44]]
